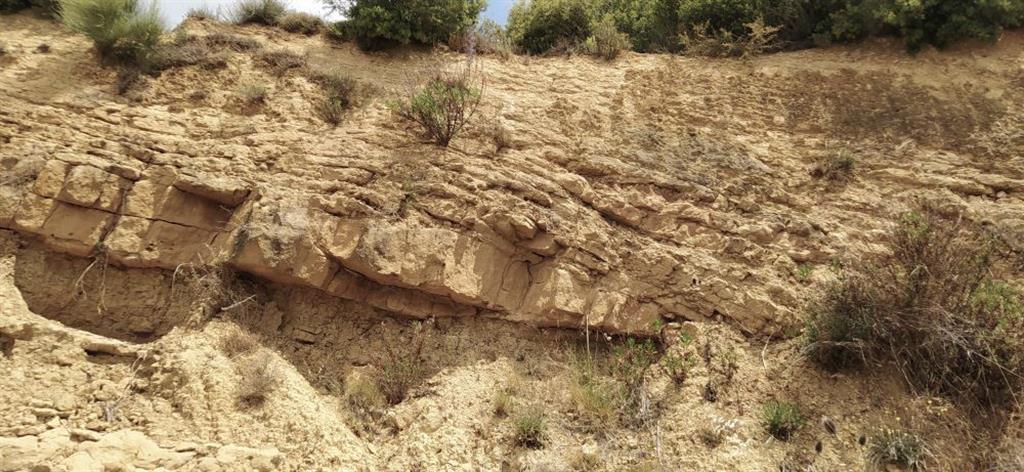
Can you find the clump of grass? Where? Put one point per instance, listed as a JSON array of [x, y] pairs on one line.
[[931, 305], [340, 94], [253, 94], [836, 167], [892, 447], [281, 60], [123, 31], [502, 403], [236, 342], [262, 12], [443, 106], [529, 427], [597, 402], [582, 461], [187, 50], [803, 272], [678, 366], [404, 368], [260, 377], [300, 22], [781, 419], [363, 396], [204, 13]]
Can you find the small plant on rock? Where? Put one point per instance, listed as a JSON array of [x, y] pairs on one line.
[[502, 403], [444, 105], [253, 94], [781, 419], [404, 368], [836, 167], [340, 94], [529, 427], [897, 448], [203, 13]]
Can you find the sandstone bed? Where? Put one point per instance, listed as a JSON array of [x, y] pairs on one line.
[[649, 191]]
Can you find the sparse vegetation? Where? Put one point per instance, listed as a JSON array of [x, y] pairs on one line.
[[340, 94], [837, 166], [444, 105], [931, 305], [630, 364], [281, 60], [236, 342], [259, 377], [300, 22], [502, 403], [487, 37], [202, 13], [121, 30], [262, 12], [892, 447], [529, 427], [803, 272], [404, 368], [376, 24], [781, 419], [363, 396], [597, 401], [253, 94], [707, 41]]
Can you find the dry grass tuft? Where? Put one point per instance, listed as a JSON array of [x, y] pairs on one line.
[[933, 306], [300, 22], [781, 419], [836, 167], [529, 427], [363, 396], [280, 61], [260, 377], [897, 448], [236, 342]]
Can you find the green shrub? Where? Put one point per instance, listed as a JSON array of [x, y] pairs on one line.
[[781, 419], [730, 16], [651, 25], [443, 106], [539, 26], [605, 40], [376, 24], [529, 427], [302, 23], [932, 306], [487, 38], [941, 22], [897, 448], [262, 12], [121, 30]]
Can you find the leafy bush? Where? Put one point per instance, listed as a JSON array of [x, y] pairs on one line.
[[606, 41], [781, 419], [487, 38], [651, 25], [529, 427], [538, 26], [299, 22], [897, 448], [376, 24], [444, 105], [262, 12], [941, 22], [121, 30], [729, 16], [931, 306]]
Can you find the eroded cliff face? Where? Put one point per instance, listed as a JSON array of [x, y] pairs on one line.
[[649, 189]]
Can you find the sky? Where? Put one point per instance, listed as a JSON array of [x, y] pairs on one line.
[[173, 11]]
